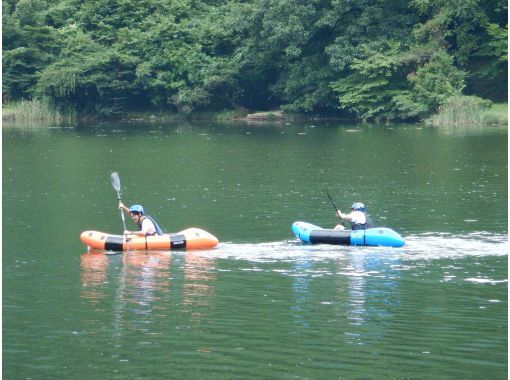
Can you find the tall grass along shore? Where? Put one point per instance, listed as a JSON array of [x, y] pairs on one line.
[[32, 110], [469, 110]]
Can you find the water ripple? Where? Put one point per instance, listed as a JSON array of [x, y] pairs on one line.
[[426, 246]]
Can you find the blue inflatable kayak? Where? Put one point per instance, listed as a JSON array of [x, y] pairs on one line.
[[379, 236]]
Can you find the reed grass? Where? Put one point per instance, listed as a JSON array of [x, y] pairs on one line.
[[461, 110], [496, 115], [33, 110]]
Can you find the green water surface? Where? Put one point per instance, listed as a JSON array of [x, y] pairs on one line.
[[261, 305]]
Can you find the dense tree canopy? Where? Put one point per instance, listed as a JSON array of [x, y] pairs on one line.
[[369, 59]]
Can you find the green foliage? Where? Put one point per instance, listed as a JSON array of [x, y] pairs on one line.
[[498, 45], [437, 80], [28, 47], [431, 85], [89, 77], [305, 86], [474, 33], [375, 79], [62, 13], [30, 12], [369, 59]]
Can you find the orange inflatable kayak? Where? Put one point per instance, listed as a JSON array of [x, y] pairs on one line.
[[191, 238]]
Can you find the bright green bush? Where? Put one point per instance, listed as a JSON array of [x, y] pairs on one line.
[[431, 85]]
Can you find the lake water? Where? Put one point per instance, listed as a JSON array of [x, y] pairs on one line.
[[261, 305]]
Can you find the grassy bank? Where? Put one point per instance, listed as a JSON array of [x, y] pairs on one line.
[[470, 110], [32, 110], [496, 114]]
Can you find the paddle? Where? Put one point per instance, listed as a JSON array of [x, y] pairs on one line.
[[116, 186], [334, 206]]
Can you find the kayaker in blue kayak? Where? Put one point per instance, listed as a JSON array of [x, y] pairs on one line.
[[357, 217], [147, 226]]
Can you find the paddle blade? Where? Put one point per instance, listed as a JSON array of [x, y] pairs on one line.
[[116, 181]]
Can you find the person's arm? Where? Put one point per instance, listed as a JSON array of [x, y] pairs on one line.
[[344, 216]]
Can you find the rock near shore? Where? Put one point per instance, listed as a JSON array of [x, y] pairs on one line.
[[269, 115]]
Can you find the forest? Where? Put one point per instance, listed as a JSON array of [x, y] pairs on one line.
[[363, 59]]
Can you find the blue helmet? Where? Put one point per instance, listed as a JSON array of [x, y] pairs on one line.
[[136, 208], [358, 206]]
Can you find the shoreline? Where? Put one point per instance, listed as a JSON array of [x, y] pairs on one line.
[[498, 116]]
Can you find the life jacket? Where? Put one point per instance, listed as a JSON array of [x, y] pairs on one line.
[[362, 226], [159, 230], [359, 226]]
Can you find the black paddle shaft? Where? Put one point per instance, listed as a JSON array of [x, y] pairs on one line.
[[334, 206]]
